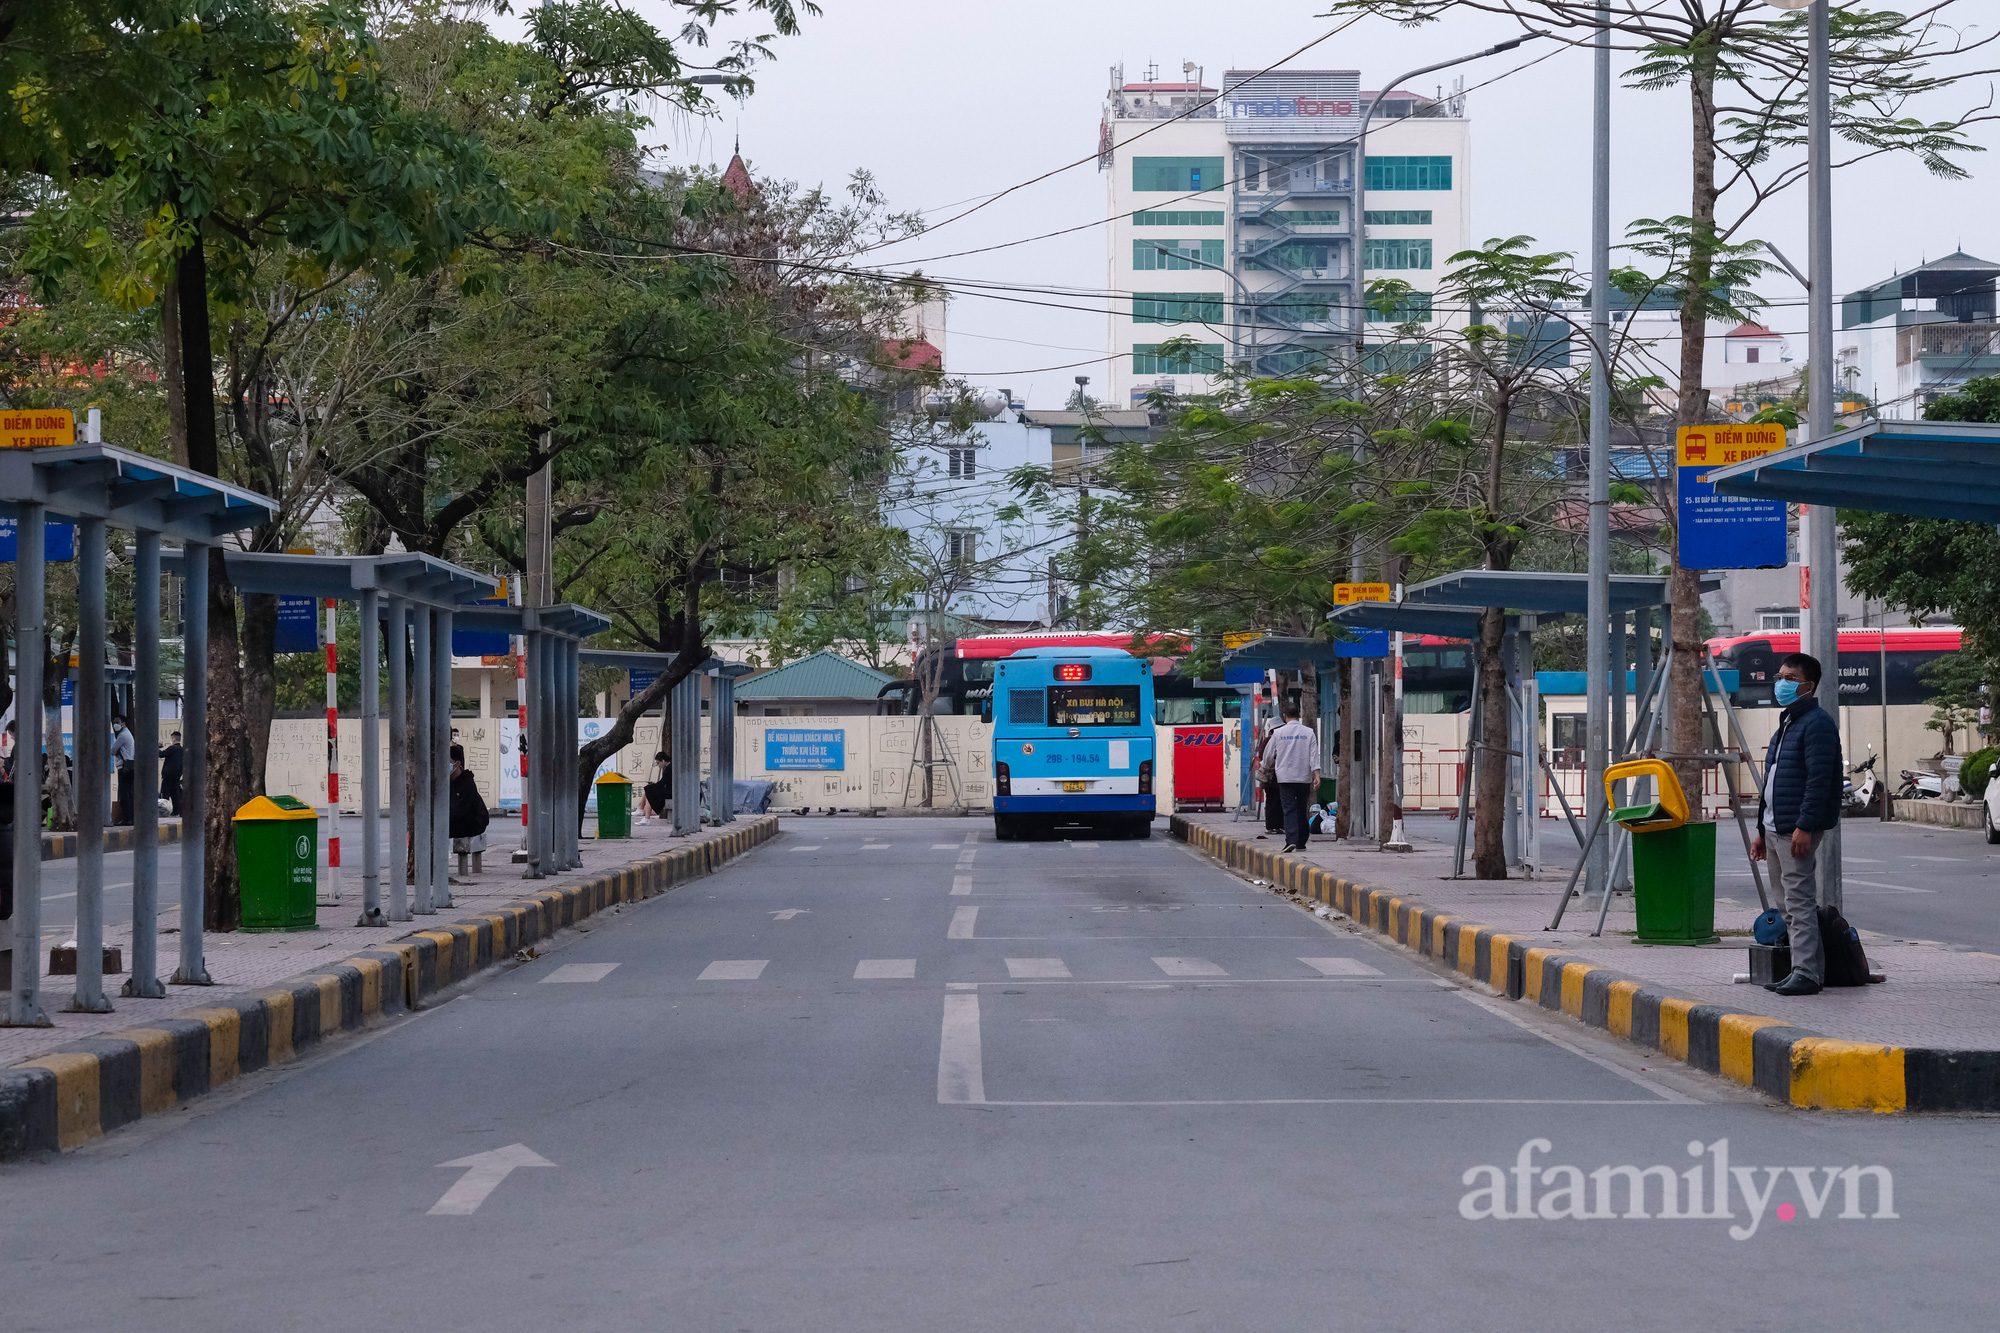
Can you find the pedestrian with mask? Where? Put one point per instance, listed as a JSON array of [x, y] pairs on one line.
[[122, 754], [1800, 802], [467, 813], [659, 789]]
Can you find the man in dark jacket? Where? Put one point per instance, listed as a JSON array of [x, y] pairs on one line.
[[170, 774], [1801, 801]]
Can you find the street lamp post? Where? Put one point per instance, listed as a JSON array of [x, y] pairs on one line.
[[1597, 629]]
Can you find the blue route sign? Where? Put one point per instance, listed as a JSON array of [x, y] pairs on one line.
[[1726, 531], [298, 625], [58, 541]]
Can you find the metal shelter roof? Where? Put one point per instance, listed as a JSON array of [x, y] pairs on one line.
[[1281, 653], [423, 579], [1450, 622], [1927, 469], [129, 490], [627, 658], [565, 619], [1540, 592]]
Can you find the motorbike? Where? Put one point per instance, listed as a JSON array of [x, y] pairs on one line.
[[1921, 786], [1863, 798]]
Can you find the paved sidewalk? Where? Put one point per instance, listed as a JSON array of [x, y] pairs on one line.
[[1934, 997], [241, 962]]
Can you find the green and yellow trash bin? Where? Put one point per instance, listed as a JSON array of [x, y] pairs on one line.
[[1673, 860], [277, 855], [614, 806]]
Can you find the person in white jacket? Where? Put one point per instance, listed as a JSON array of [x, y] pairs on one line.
[[1291, 756]]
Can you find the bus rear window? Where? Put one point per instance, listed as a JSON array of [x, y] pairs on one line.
[[1093, 705]]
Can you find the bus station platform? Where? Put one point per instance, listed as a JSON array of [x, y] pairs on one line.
[[1927, 1038]]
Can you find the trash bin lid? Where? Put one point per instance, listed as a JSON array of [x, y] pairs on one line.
[[614, 777], [260, 808]]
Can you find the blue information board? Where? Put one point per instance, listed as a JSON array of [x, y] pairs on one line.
[[795, 750], [639, 680], [1366, 643], [298, 624], [484, 642], [58, 541], [1726, 531]]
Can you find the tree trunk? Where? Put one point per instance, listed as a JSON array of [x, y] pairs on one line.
[[260, 678], [228, 779], [1489, 847], [1683, 684], [1392, 740], [1344, 794], [170, 331]]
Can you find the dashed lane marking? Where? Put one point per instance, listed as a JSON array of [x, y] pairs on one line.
[[961, 886], [579, 972], [885, 969], [963, 919], [1341, 967], [734, 969], [1032, 969], [1188, 967]]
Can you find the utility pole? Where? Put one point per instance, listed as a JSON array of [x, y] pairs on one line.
[[1597, 626]]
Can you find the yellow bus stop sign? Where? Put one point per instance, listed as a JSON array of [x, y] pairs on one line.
[[37, 428]]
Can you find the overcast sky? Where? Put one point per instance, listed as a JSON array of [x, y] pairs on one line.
[[946, 103]]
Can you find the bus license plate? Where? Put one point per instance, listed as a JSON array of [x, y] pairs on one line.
[[1073, 786]]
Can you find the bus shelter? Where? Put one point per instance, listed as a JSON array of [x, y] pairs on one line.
[[1926, 469], [680, 724], [416, 597], [552, 636], [1539, 595], [1273, 652], [99, 486], [1521, 824]]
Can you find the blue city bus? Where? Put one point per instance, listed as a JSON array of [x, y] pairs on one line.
[[1072, 742]]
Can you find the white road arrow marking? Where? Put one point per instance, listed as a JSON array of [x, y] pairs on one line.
[[790, 912], [483, 1173]]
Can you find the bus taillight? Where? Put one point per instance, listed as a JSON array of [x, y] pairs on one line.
[[1004, 785], [1145, 777]]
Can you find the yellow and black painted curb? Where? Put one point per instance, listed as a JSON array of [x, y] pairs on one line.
[[1781, 1060], [70, 1096], [117, 838]]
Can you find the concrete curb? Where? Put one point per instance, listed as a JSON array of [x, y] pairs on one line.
[[117, 838], [1790, 1063], [70, 1096]]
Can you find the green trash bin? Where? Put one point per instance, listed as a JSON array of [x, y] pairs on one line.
[[614, 806], [1673, 884], [277, 855]]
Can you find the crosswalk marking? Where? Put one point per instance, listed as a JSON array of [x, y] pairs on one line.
[[962, 922], [734, 969], [1188, 967], [874, 846], [815, 847], [1036, 969], [961, 886], [1085, 846], [885, 969], [580, 972], [944, 846], [1341, 967]]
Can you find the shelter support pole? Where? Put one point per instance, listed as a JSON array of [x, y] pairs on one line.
[[371, 760], [687, 754], [399, 759], [533, 713], [1510, 818], [193, 970], [143, 979], [421, 825], [1469, 767], [572, 761], [24, 999], [722, 747], [93, 770], [440, 743]]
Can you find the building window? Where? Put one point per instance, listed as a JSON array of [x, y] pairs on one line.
[[1177, 308], [1395, 358], [1177, 218], [1409, 173], [1750, 354], [961, 547], [1778, 620], [1409, 307], [1146, 360], [1399, 217], [1179, 175], [962, 462], [1398, 254], [1150, 254]]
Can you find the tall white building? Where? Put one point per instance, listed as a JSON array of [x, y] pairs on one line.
[[1236, 224], [1918, 335]]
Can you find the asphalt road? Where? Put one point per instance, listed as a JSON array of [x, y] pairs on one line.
[[876, 1076]]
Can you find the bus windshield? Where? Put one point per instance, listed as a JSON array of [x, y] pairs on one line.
[[1093, 705]]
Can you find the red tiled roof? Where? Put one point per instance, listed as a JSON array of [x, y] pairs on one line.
[[911, 354], [736, 180], [1750, 329]]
